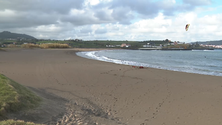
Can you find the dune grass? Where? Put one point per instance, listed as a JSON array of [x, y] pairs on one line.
[[30, 46], [15, 97], [54, 45], [12, 46], [2, 49], [18, 122], [46, 46]]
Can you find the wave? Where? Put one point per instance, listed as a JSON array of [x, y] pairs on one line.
[[187, 68]]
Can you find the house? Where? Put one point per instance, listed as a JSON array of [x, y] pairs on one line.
[[110, 46], [125, 45]]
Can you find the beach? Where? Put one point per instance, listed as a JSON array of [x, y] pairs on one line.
[[84, 91]]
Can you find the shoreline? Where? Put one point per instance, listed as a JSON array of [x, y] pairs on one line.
[[138, 64], [107, 93]]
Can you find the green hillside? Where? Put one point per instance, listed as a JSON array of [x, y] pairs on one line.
[[9, 35]]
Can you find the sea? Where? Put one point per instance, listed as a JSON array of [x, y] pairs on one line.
[[207, 62]]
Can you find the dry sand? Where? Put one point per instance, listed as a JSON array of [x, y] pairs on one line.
[[95, 92]]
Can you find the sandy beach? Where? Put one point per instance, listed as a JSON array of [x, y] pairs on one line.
[[83, 91]]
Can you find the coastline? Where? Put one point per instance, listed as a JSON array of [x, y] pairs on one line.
[[108, 93], [204, 62]]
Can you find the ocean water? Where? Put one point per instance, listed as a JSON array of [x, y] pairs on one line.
[[208, 62]]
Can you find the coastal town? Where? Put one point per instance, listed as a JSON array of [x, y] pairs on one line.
[[141, 45], [10, 40]]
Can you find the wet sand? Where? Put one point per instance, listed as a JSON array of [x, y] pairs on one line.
[[95, 92]]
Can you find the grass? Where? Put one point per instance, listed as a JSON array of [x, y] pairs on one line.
[[1, 49], [45, 46], [54, 45], [30, 46], [12, 46], [18, 122], [15, 97]]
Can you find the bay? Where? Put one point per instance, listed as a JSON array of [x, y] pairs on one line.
[[208, 62]]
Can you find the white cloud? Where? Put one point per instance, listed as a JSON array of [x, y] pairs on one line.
[[92, 2], [74, 12], [156, 25], [167, 4], [7, 13], [112, 19], [48, 28]]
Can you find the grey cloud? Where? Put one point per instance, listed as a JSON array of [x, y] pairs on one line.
[[101, 31], [109, 15], [100, 37], [122, 15], [197, 2], [87, 18], [150, 9], [168, 7], [29, 14], [79, 20], [25, 19], [46, 6], [86, 29], [103, 15], [144, 7], [62, 32], [185, 7]]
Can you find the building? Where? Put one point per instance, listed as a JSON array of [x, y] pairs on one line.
[[125, 45]]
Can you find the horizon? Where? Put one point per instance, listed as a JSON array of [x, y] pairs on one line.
[[112, 39], [113, 19]]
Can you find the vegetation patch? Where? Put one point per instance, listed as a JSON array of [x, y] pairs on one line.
[[18, 122], [30, 45], [54, 45], [15, 97], [12, 46], [45, 45]]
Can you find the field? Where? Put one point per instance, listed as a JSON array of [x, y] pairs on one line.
[[45, 46]]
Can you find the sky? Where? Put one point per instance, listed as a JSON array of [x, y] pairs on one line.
[[136, 20]]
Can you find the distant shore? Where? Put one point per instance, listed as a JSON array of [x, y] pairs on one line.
[[181, 49], [98, 92]]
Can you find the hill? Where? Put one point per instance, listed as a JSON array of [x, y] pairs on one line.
[[215, 42], [9, 35]]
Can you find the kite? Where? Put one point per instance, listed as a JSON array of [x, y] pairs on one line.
[[187, 27]]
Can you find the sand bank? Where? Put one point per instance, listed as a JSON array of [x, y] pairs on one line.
[[106, 93]]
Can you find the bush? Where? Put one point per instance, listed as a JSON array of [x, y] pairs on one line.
[[54, 45], [30, 46], [11, 46]]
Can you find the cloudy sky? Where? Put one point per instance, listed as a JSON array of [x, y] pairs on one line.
[[114, 19]]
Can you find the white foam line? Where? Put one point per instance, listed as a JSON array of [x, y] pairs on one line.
[[92, 55]]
